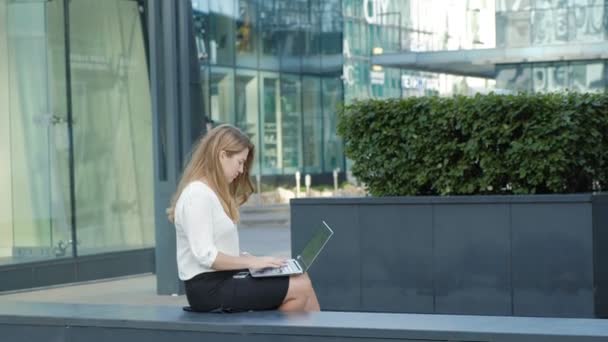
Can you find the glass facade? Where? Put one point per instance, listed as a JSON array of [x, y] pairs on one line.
[[275, 71], [75, 130]]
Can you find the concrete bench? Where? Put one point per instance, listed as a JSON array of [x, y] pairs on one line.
[[117, 323]]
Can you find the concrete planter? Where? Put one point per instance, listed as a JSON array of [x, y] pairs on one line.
[[540, 255]]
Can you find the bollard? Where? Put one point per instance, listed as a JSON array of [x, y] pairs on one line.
[[258, 183], [297, 184], [336, 181], [307, 182]]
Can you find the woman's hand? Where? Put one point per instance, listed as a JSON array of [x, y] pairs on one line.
[[264, 262]]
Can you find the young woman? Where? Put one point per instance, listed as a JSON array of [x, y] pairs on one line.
[[204, 210]]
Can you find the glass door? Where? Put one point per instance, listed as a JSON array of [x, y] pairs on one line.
[[35, 216], [112, 130]]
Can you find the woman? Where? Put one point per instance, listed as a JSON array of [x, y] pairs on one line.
[[204, 210]]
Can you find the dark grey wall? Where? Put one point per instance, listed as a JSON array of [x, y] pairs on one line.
[[494, 255], [72, 270]]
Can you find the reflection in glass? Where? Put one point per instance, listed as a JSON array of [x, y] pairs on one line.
[[35, 211], [222, 31], [291, 107], [271, 145], [221, 95], [246, 34], [332, 98], [514, 78], [112, 127], [269, 35], [311, 40], [290, 28], [247, 105], [200, 23], [312, 118]]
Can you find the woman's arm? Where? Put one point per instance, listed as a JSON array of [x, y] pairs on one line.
[[225, 262]]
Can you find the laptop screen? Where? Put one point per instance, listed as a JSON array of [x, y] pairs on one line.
[[315, 245]]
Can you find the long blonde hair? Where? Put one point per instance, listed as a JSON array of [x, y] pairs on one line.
[[205, 164]]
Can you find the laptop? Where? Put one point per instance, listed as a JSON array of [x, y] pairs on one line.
[[303, 261]]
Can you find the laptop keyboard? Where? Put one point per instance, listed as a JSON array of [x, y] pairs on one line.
[[289, 268]]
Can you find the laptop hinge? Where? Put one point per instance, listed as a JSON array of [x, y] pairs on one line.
[[302, 263]]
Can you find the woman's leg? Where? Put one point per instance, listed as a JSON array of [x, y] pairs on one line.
[[300, 295]]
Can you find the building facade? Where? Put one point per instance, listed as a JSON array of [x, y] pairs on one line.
[[100, 101]]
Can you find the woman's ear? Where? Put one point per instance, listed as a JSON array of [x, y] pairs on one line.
[[223, 155]]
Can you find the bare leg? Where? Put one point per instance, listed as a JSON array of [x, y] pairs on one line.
[[300, 295], [313, 302]]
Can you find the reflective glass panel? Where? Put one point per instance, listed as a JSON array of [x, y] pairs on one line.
[[332, 98], [222, 31], [35, 210], [247, 108], [112, 127], [312, 118], [246, 34], [291, 123], [221, 95], [272, 142]]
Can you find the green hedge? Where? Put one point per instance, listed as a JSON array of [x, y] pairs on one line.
[[486, 144]]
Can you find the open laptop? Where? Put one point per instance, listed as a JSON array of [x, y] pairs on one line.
[[304, 260]]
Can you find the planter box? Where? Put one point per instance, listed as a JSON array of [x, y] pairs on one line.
[[539, 255]]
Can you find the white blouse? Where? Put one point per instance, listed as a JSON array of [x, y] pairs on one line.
[[202, 230]]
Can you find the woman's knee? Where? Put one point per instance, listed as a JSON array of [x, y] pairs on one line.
[[300, 284]]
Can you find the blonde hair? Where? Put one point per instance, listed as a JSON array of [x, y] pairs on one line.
[[205, 164]]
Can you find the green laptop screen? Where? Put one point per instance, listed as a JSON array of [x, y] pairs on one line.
[[314, 246]]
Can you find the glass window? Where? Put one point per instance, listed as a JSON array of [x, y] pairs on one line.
[[332, 98], [272, 143], [290, 27], [6, 219], [222, 31], [312, 117], [200, 22], [246, 34], [112, 127], [311, 43], [221, 95], [331, 36], [586, 76], [291, 109], [247, 108], [35, 206], [269, 35], [514, 78]]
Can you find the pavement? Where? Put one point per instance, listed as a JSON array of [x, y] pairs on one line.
[[270, 239]]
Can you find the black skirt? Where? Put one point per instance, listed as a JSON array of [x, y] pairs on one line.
[[221, 292]]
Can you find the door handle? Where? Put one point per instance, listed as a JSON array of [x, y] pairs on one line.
[[50, 119]]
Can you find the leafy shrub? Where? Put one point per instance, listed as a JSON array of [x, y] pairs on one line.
[[486, 144]]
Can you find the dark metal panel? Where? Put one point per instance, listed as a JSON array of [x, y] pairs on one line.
[[479, 199], [396, 258], [16, 278], [336, 273], [69, 270], [97, 334], [93, 334], [32, 333], [472, 259], [165, 94], [53, 274], [600, 255], [116, 264], [552, 260]]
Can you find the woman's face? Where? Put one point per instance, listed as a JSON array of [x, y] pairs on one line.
[[233, 165]]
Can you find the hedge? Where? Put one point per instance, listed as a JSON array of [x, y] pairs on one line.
[[485, 144]]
